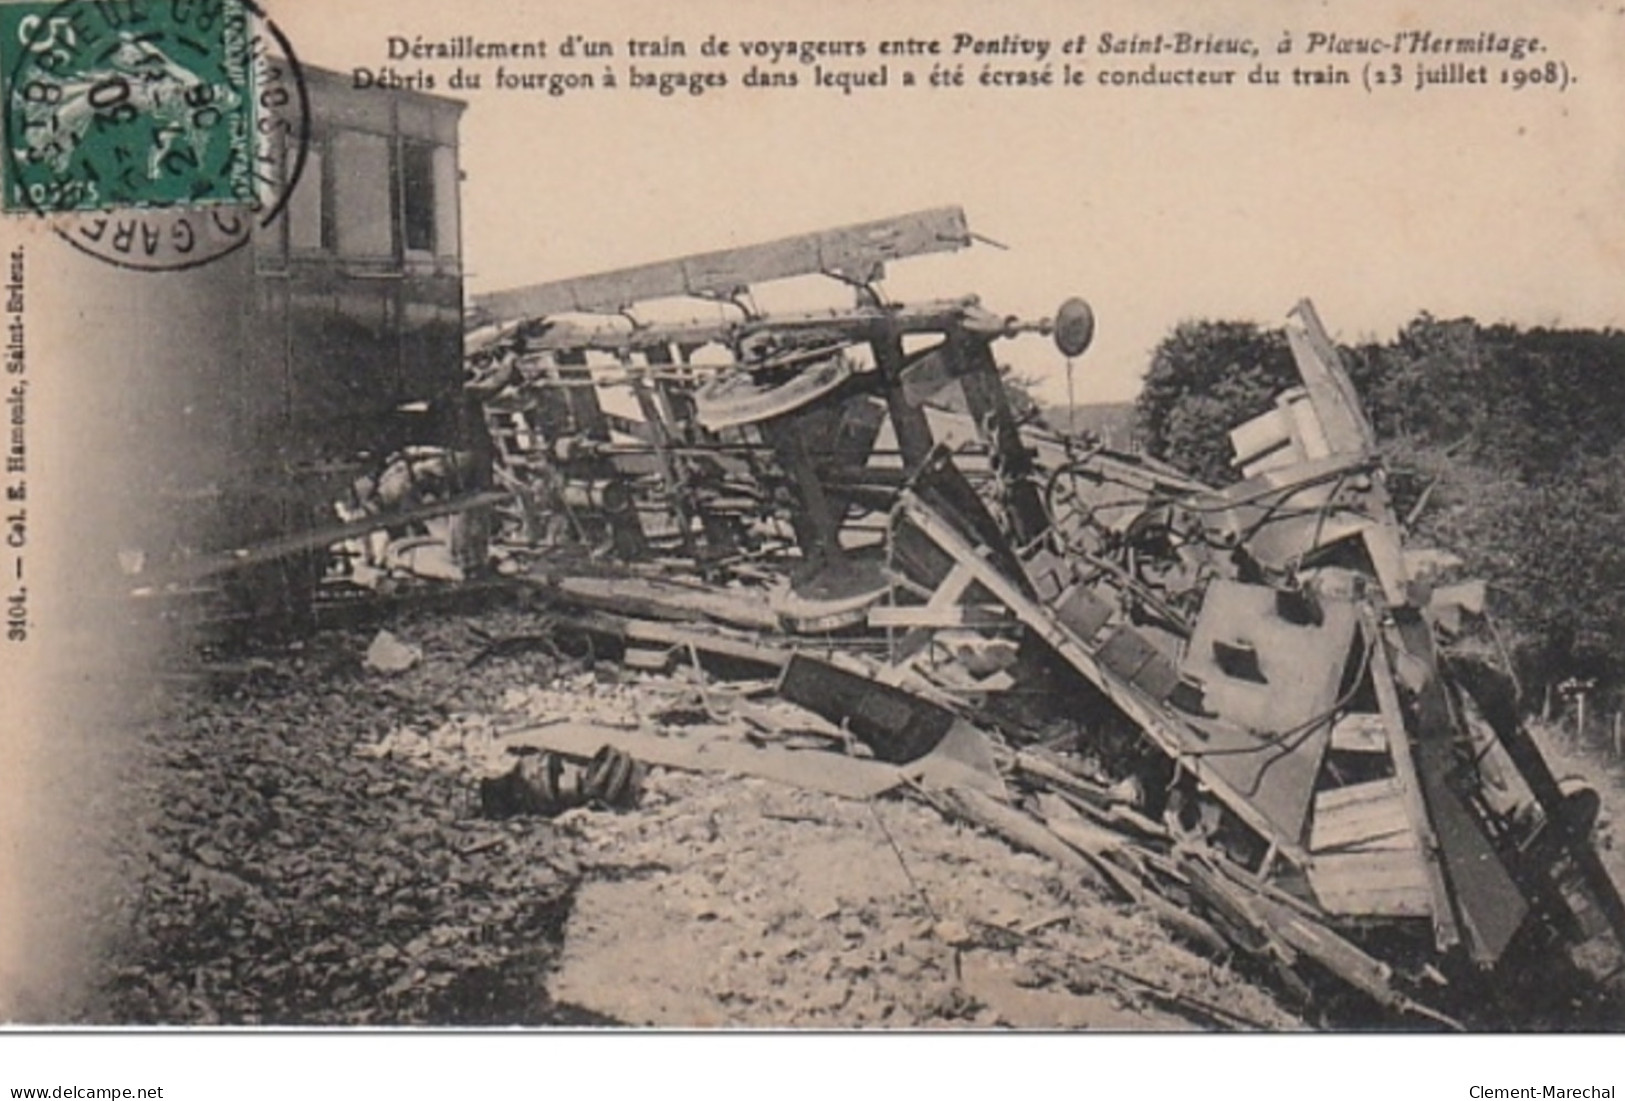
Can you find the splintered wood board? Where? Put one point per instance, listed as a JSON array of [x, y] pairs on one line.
[[1360, 733], [1364, 856], [718, 750], [1361, 816], [1371, 884]]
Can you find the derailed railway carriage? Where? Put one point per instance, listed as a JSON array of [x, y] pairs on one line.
[[247, 408]]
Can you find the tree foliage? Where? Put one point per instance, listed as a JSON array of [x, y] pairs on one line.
[[1566, 584], [1207, 377], [1509, 439]]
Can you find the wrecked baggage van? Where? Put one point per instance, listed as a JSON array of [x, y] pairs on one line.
[[758, 437], [1329, 769], [300, 397], [1282, 647]]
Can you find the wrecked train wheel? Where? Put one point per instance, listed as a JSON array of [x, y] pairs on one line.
[[763, 392]]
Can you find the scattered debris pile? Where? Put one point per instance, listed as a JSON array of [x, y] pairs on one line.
[[741, 902], [1324, 746], [1254, 713], [764, 875], [1087, 838]]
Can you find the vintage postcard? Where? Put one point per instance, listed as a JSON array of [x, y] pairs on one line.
[[910, 516]]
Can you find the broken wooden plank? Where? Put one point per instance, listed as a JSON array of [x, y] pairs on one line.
[[856, 252], [835, 325], [924, 615], [213, 565], [1446, 932], [1289, 931], [1336, 405], [942, 610], [781, 718], [1341, 958], [1159, 726], [649, 659], [1377, 884], [646, 598], [1097, 973], [655, 633], [817, 770], [709, 642], [1035, 765], [1092, 841], [1361, 815], [1396, 837], [1020, 830], [1360, 732]]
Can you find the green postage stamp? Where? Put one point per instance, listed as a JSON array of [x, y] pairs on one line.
[[127, 103]]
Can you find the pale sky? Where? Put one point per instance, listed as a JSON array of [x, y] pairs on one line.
[[1155, 204]]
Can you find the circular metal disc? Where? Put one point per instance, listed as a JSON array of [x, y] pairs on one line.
[[1074, 327], [743, 397]]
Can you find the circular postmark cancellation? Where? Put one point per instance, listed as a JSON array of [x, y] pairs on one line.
[[154, 134]]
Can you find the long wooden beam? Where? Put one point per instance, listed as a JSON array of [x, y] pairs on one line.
[[212, 565], [1129, 699], [1446, 933], [855, 252], [855, 323]]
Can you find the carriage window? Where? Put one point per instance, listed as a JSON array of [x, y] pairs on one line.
[[417, 195], [307, 206], [271, 240], [362, 206], [446, 235]]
